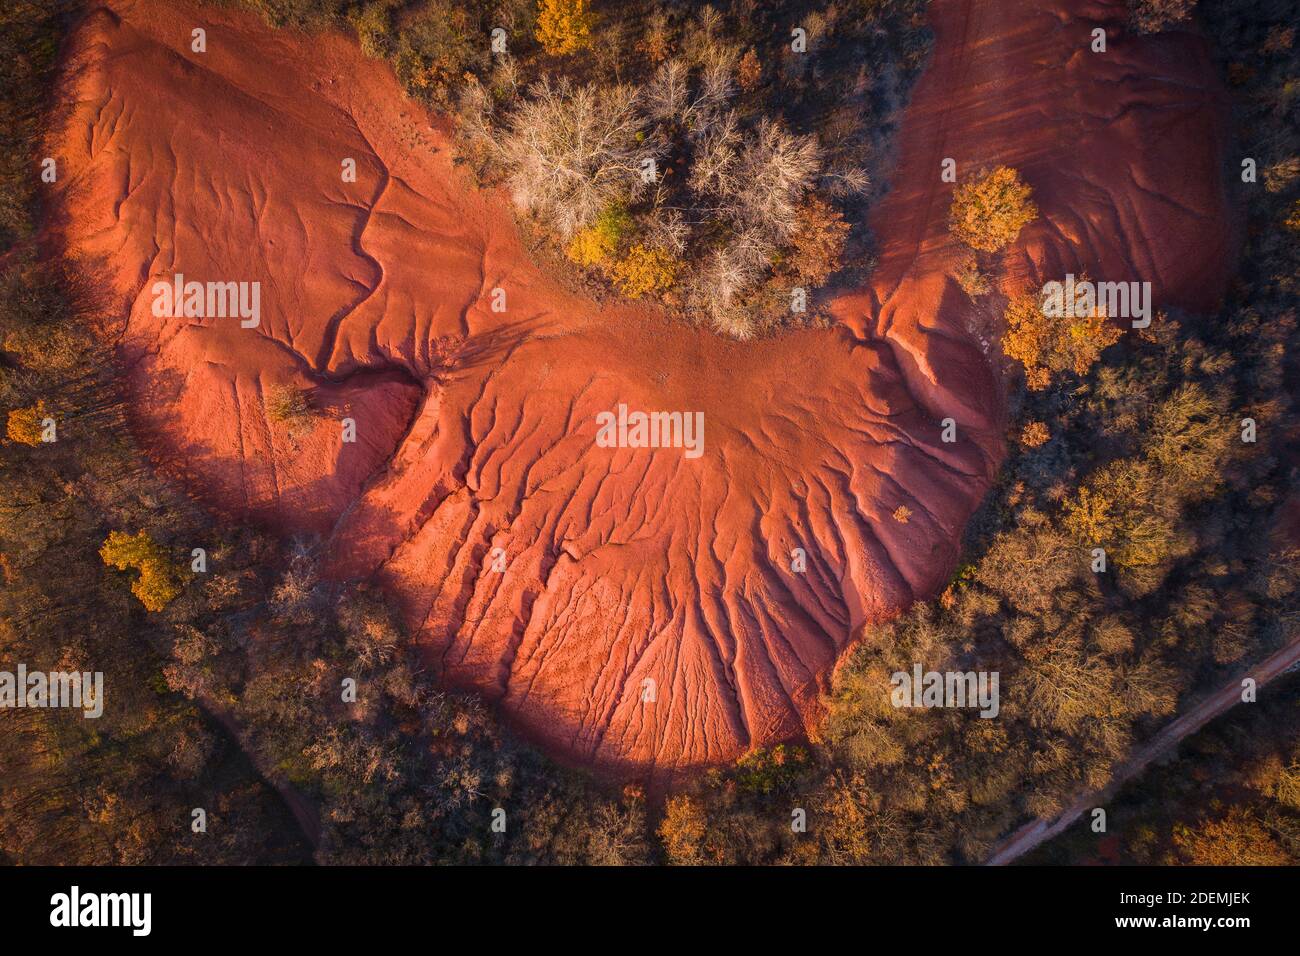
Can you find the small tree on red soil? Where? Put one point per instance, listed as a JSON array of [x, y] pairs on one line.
[[989, 211]]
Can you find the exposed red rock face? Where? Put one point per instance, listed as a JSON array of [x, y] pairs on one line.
[[477, 430]]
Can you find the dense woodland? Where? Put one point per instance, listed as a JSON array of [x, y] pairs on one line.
[[223, 685], [1232, 798]]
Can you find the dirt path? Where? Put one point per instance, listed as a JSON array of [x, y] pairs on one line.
[[1032, 834], [303, 810]]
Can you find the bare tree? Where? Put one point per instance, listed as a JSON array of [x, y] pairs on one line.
[[716, 88], [666, 229], [714, 166], [570, 152], [729, 271], [841, 180], [772, 173], [668, 94], [671, 97], [475, 115]]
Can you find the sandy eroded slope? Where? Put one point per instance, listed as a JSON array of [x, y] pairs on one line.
[[476, 428]]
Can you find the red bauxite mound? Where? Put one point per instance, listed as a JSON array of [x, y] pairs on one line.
[[476, 430]]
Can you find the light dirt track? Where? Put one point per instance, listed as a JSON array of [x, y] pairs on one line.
[[1038, 831]]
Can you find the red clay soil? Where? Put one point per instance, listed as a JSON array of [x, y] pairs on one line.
[[475, 429]]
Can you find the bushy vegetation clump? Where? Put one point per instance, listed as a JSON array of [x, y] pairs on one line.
[[989, 211], [718, 159], [290, 407], [733, 159], [1152, 16]]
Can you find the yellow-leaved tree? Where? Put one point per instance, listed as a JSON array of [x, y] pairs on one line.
[[564, 26], [25, 425], [596, 244], [683, 830], [1133, 507], [645, 270], [156, 586]]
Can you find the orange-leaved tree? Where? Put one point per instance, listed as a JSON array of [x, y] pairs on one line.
[[26, 425], [1045, 344], [817, 241], [1034, 434], [989, 211]]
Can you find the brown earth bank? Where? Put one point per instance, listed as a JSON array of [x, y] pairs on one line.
[[475, 429]]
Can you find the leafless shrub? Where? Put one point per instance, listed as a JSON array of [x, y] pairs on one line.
[[658, 41], [505, 77], [668, 94], [717, 85], [294, 598], [729, 272], [666, 229], [775, 168], [714, 166], [698, 41], [842, 180], [671, 98], [475, 112], [571, 152]]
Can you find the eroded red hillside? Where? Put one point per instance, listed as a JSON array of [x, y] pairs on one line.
[[476, 429]]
